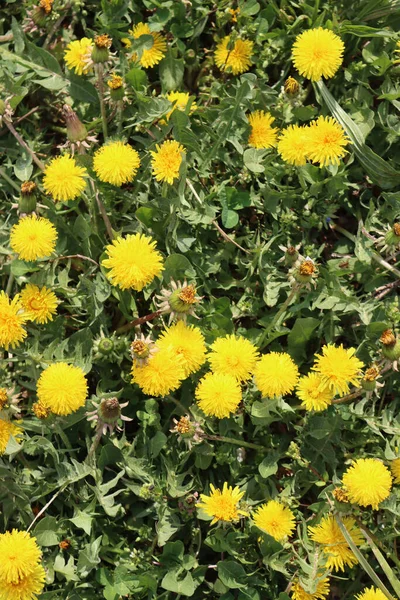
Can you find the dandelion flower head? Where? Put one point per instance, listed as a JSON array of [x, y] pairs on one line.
[[19, 554], [12, 321], [63, 179], [28, 587], [162, 373], [40, 305], [185, 341], [233, 355], [180, 101], [8, 429], [395, 468], [151, 56], [292, 145], [116, 163], [133, 261], [236, 59], [314, 393], [276, 374], [328, 534], [326, 141], [62, 388], [318, 53], [166, 161], [275, 519], [338, 368], [371, 594], [222, 505], [77, 56], [218, 395], [368, 482], [33, 237], [262, 134], [321, 592]]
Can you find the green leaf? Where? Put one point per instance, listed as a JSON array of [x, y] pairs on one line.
[[23, 168], [177, 266], [83, 521], [137, 78], [300, 334], [171, 72], [45, 532], [157, 443], [269, 464], [229, 218], [232, 574], [253, 160], [172, 583], [83, 90]]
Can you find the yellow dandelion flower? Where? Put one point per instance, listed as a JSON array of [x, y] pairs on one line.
[[19, 555], [62, 388], [233, 355], [314, 393], [77, 56], [318, 53], [368, 482], [63, 179], [234, 56], [3, 397], [328, 534], [156, 53], [218, 395], [275, 519], [33, 237], [8, 429], [321, 592], [39, 304], [222, 505], [12, 321], [187, 342], [161, 374], [166, 161], [291, 86], [133, 261], [292, 145], [25, 588], [262, 135], [395, 468], [180, 101], [325, 141], [116, 163], [371, 594], [338, 367], [276, 374], [40, 411]]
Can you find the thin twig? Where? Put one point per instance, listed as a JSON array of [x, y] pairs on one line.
[[75, 256], [382, 291], [56, 26], [138, 321], [25, 116], [46, 506], [24, 145], [228, 238]]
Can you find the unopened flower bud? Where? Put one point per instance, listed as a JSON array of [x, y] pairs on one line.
[[27, 199], [76, 130], [291, 86], [109, 410], [40, 410], [392, 237], [105, 346], [116, 85], [368, 382], [41, 12], [101, 49]]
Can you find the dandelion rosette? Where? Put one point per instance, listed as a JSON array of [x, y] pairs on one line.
[[338, 367], [64, 179], [133, 261], [321, 591], [12, 321], [185, 341], [276, 374], [62, 388], [275, 519], [40, 304], [78, 56], [318, 53], [326, 141], [328, 534], [368, 482], [233, 355], [161, 374], [262, 134], [234, 56], [116, 163], [314, 393], [8, 429], [222, 505], [293, 145], [33, 237], [218, 395], [166, 161], [150, 56]]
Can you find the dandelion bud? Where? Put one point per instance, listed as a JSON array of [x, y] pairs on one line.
[[64, 545], [27, 199], [116, 85], [392, 237], [105, 346], [391, 345], [340, 495], [101, 50], [291, 86], [3, 398], [41, 12], [180, 300], [190, 56], [2, 107], [40, 410], [368, 382], [76, 131], [109, 410]]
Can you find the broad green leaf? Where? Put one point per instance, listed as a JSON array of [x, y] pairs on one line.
[[253, 160], [232, 574], [171, 72]]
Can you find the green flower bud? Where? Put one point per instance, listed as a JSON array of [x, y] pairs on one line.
[[27, 199]]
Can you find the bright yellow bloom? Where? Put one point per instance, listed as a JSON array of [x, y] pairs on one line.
[[166, 161], [64, 179], [3, 397], [368, 482], [19, 554], [299, 593], [187, 342], [318, 53], [275, 519], [180, 101], [276, 374], [78, 56], [161, 374], [115, 82], [12, 320], [62, 388], [314, 393], [395, 468], [292, 145], [338, 367], [8, 429], [371, 594], [262, 135], [218, 395], [116, 163], [233, 355], [33, 237], [222, 506], [325, 141], [328, 534], [26, 588], [39, 304], [156, 53], [133, 261], [235, 59]]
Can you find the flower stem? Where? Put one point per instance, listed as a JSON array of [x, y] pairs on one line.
[[229, 440], [120, 107], [4, 175], [24, 145], [279, 314], [138, 321], [95, 443], [10, 282], [99, 68]]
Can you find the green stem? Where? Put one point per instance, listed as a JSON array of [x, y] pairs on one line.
[[279, 314], [101, 98], [120, 106], [229, 440], [10, 282], [93, 447], [4, 175]]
